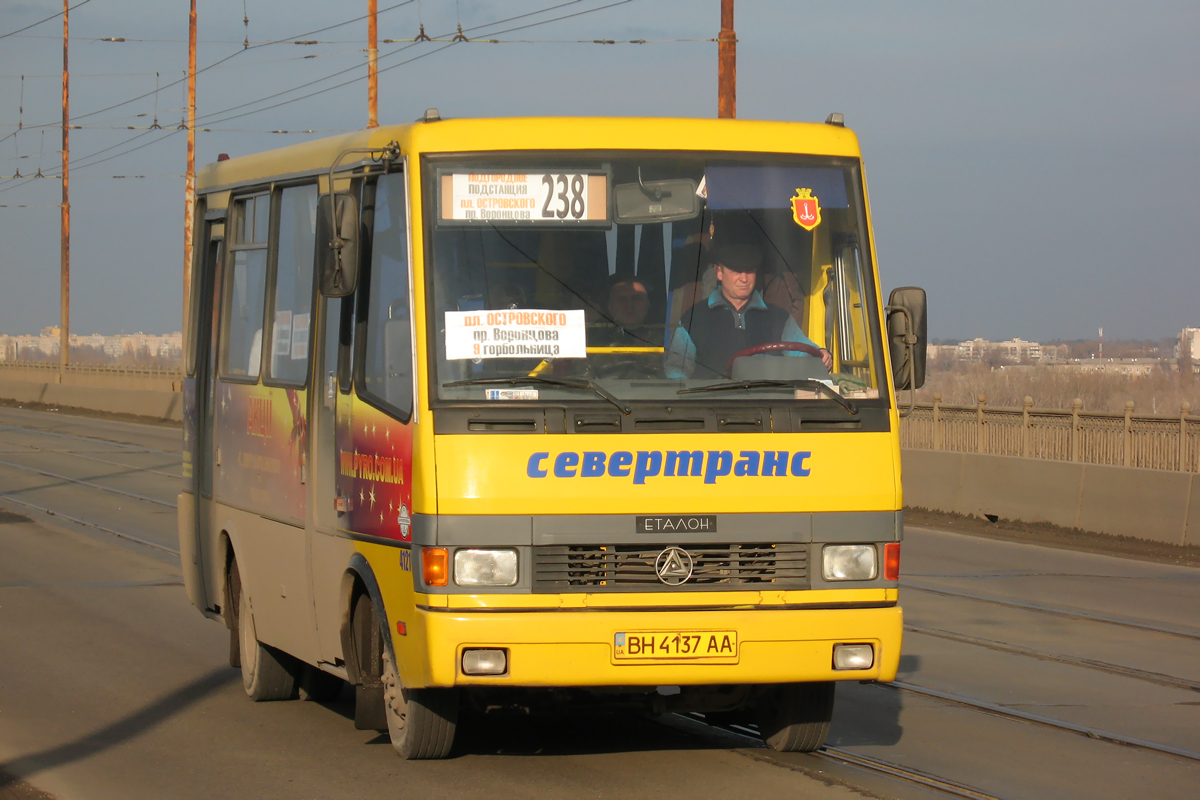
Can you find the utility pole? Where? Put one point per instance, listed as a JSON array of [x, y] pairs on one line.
[[726, 64], [372, 63], [64, 322], [189, 180]]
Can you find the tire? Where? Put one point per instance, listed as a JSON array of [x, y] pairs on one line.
[[267, 673], [421, 722], [795, 717], [318, 686]]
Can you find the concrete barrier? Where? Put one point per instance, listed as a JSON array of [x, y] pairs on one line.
[[1143, 503], [1027, 489], [154, 404], [1192, 534], [1157, 505]]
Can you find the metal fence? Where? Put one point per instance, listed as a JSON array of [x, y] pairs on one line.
[[1147, 441], [51, 367]]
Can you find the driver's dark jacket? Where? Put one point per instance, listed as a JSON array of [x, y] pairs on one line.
[[712, 332]]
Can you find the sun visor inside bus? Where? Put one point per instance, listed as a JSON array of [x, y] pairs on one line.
[[772, 187]]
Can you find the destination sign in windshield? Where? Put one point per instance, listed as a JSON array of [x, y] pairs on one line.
[[532, 197]]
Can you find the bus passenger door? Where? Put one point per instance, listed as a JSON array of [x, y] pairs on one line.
[[363, 428], [198, 406], [329, 548]]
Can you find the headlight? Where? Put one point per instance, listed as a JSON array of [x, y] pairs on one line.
[[485, 567], [848, 562]]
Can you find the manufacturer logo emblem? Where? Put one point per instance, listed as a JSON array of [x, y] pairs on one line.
[[674, 566], [405, 523]]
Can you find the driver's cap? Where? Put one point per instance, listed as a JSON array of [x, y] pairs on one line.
[[737, 257]]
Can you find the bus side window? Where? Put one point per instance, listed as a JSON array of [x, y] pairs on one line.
[[245, 290], [293, 295], [386, 371]]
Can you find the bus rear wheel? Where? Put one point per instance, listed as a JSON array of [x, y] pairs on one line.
[[267, 674], [795, 717], [421, 722]]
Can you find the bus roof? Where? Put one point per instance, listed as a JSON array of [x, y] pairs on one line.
[[540, 133]]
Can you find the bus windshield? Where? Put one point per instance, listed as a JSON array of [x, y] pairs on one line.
[[649, 278]]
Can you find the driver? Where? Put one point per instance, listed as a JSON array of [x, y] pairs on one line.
[[734, 317]]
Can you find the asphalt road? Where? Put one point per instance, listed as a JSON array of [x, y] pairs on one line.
[[1027, 672]]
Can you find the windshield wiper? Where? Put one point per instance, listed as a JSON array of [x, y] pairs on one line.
[[570, 383], [798, 383]]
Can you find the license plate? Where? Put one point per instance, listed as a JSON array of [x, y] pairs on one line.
[[674, 645]]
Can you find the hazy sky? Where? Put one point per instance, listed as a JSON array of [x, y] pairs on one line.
[[1033, 165]]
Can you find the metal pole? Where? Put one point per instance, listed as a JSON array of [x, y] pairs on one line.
[[979, 403], [1026, 434], [1127, 438], [189, 180], [726, 64], [1184, 408], [65, 253], [372, 64]]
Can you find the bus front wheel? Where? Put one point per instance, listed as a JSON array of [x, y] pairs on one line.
[[795, 717], [267, 674], [421, 722]]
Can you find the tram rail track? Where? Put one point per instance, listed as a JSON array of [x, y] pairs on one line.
[[90, 484], [1069, 613], [87, 523], [98, 439], [1076, 661], [840, 755], [996, 709], [29, 448]]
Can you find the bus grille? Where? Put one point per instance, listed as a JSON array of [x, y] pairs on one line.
[[616, 568]]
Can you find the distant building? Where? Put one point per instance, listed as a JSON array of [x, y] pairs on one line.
[[1189, 342], [1129, 367], [1013, 351], [47, 344]]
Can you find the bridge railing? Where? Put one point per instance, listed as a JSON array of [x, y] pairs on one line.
[[1158, 441], [119, 376]]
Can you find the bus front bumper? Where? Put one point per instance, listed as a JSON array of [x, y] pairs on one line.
[[564, 648]]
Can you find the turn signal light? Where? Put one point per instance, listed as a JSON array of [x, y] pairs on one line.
[[435, 566], [891, 561]]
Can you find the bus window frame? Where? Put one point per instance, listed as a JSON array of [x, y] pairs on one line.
[[267, 362], [362, 300], [856, 193], [348, 308], [868, 274], [200, 239], [235, 217]]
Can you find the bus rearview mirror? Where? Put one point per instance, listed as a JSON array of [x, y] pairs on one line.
[[907, 334], [337, 244], [656, 201]]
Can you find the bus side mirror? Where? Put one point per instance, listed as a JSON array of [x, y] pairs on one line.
[[337, 244], [907, 333]]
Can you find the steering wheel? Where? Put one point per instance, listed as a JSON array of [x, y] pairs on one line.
[[773, 347], [617, 367]]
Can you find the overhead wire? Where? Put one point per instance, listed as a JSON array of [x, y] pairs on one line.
[[83, 162], [419, 38], [204, 69], [381, 70], [47, 19], [492, 24], [239, 52]]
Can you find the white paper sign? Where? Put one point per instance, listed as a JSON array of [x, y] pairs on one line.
[[542, 197], [515, 333]]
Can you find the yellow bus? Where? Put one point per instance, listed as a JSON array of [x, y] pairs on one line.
[[499, 412]]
